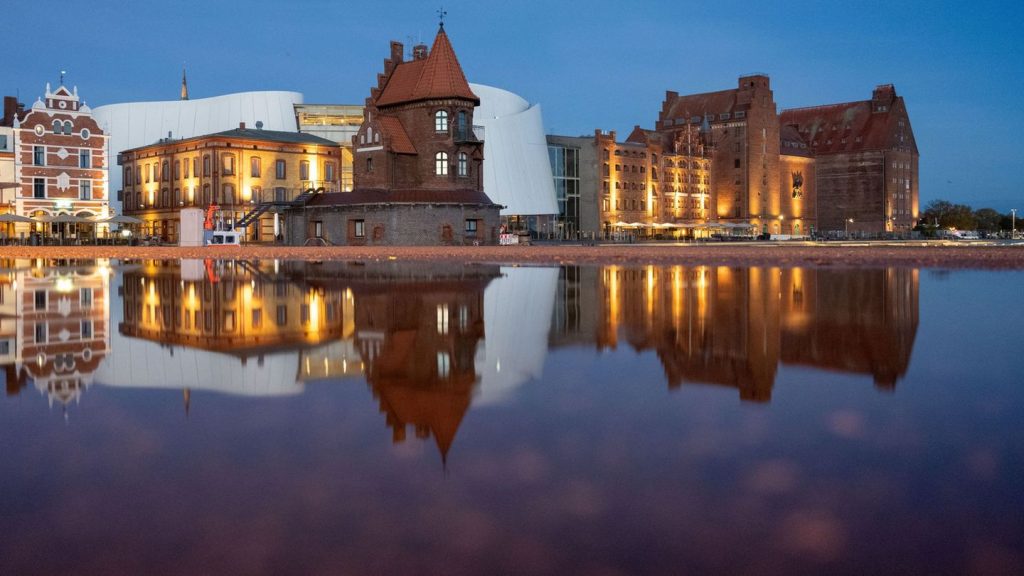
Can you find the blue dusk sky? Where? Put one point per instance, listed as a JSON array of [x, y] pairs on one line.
[[595, 64]]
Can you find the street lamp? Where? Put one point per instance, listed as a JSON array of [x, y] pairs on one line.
[[847, 226], [1013, 223]]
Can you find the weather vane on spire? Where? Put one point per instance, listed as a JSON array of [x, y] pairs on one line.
[[441, 13]]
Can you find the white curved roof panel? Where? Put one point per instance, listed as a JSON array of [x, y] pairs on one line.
[[517, 171], [134, 124]]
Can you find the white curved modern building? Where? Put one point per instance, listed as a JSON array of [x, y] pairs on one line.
[[517, 172], [134, 124]]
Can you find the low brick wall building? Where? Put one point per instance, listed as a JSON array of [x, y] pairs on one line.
[[367, 218]]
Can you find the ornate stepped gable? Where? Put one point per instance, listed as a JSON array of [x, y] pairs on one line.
[[417, 134], [436, 75], [417, 166]]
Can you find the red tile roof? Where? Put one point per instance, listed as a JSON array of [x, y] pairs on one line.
[[405, 196], [792, 142], [708, 103], [437, 76], [849, 127], [396, 135]]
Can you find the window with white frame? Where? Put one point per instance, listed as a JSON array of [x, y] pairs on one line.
[[441, 163], [441, 121]]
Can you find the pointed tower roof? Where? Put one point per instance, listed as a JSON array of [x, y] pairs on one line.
[[184, 85], [439, 75]]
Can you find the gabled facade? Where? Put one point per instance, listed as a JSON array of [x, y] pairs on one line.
[[60, 158], [417, 165], [867, 162], [740, 130]]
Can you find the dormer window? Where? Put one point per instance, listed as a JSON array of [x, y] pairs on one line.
[[441, 121]]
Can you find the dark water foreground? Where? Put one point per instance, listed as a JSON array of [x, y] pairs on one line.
[[338, 418]]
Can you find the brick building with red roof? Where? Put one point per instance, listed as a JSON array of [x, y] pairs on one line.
[[417, 165], [866, 160], [753, 182]]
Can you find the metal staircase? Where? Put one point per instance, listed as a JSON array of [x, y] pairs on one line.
[[253, 215], [260, 209], [306, 196]]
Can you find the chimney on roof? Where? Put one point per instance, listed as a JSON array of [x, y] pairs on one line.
[[884, 93], [11, 109], [419, 52], [883, 97], [397, 52], [241, 125]]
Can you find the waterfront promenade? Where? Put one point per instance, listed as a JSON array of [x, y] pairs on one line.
[[932, 254]]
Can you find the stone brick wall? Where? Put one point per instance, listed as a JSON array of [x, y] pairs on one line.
[[394, 225]]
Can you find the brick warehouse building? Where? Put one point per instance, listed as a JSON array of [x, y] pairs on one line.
[[867, 162], [727, 162], [60, 157], [834, 168], [417, 165]]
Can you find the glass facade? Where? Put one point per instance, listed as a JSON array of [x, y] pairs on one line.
[[565, 167]]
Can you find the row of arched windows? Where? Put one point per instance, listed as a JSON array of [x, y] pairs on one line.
[[441, 164], [62, 128], [461, 124], [165, 200]]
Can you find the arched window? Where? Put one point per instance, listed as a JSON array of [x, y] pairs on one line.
[[56, 126], [441, 164], [369, 164], [67, 127], [463, 164], [441, 121], [229, 194]]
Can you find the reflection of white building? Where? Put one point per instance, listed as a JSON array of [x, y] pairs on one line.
[[517, 321], [135, 124], [149, 364], [517, 172]]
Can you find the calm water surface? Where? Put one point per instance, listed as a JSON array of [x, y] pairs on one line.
[[287, 417]]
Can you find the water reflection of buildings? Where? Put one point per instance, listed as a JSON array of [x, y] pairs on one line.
[[53, 325], [417, 329], [431, 340], [413, 333], [733, 326]]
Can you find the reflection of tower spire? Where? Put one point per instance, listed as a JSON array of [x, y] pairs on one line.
[[184, 85]]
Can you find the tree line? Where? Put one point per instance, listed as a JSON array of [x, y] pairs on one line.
[[942, 214]]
